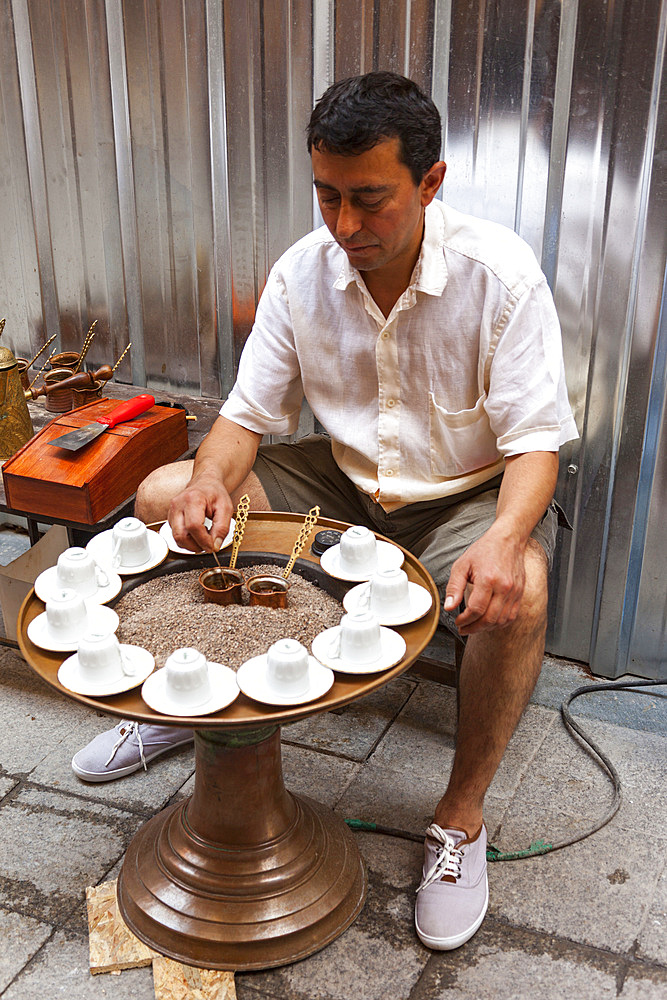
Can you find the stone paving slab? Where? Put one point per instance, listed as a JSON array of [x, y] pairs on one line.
[[353, 730], [21, 937], [422, 739], [383, 795], [653, 936], [53, 847], [6, 785], [652, 985], [145, 792], [61, 970], [565, 790], [596, 892], [505, 963], [40, 718]]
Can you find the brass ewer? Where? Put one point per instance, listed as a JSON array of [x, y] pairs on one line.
[[15, 423]]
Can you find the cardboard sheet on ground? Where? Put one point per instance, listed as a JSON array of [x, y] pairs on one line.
[[113, 947]]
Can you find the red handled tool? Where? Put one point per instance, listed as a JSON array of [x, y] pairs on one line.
[[74, 440]]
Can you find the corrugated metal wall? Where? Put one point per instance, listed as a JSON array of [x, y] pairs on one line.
[[152, 168]]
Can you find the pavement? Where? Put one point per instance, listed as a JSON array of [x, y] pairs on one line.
[[588, 922]]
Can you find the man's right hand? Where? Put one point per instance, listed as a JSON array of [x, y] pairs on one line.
[[204, 496]]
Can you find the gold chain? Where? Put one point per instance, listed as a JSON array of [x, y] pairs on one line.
[[302, 538], [241, 518]]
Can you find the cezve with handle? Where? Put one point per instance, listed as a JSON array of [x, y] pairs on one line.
[[74, 440]]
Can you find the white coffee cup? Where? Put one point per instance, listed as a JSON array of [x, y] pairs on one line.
[[358, 550], [386, 593], [187, 680], [76, 569], [358, 639], [66, 615], [101, 659], [131, 546], [287, 667]]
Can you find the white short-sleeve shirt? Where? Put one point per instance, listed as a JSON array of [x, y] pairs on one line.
[[465, 371]]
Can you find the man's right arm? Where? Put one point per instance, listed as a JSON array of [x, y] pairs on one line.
[[223, 461]]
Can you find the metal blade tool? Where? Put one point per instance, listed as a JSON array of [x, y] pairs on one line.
[[74, 440]]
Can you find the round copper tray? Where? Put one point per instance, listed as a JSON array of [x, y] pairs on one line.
[[244, 874], [265, 534]]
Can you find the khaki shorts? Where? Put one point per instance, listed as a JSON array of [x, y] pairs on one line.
[[297, 476]]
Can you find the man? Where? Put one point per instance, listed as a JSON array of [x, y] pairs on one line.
[[427, 344]]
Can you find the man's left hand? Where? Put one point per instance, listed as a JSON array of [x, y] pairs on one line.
[[491, 575]]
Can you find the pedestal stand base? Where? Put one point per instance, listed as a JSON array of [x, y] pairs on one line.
[[243, 875]]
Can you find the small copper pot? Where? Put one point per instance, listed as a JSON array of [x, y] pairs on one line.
[[222, 586], [58, 400], [88, 395], [66, 359], [269, 591]]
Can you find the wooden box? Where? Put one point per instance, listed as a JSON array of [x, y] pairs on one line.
[[87, 484]]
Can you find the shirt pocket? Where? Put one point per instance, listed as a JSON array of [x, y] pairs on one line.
[[462, 441]]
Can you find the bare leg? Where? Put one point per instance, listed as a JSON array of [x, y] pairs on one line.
[[498, 674], [158, 489]]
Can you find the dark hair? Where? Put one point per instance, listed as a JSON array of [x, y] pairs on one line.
[[353, 115]]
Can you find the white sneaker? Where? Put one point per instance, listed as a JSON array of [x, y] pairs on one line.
[[126, 748], [454, 892]]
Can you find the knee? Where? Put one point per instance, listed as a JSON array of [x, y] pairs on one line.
[[158, 489], [535, 594]]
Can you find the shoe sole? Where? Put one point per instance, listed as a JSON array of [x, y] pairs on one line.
[[94, 777], [450, 943]]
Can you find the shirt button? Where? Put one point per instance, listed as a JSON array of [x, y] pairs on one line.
[[391, 402], [389, 472], [386, 335]]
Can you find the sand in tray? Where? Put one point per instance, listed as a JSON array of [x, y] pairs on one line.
[[169, 612]]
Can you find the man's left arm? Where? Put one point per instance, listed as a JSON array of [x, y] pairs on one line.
[[491, 573]]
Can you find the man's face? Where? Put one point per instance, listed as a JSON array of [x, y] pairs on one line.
[[372, 206]]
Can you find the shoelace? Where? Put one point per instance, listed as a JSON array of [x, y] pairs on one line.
[[448, 857], [127, 729]]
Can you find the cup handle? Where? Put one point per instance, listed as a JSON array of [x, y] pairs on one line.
[[334, 645], [115, 554], [128, 666], [101, 577], [364, 601]]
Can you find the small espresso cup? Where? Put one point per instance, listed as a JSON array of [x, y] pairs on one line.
[[287, 668], [66, 615], [130, 544], [101, 658], [187, 680], [76, 569], [386, 593], [358, 550], [358, 639]]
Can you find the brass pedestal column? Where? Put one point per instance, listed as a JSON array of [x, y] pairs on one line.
[[243, 875]]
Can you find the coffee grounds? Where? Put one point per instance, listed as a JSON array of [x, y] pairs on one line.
[[169, 612]]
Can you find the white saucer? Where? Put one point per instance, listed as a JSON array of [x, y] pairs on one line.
[[101, 548], [47, 582], [393, 650], [253, 681], [419, 602], [224, 690], [168, 536], [99, 619], [70, 677], [388, 557]]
